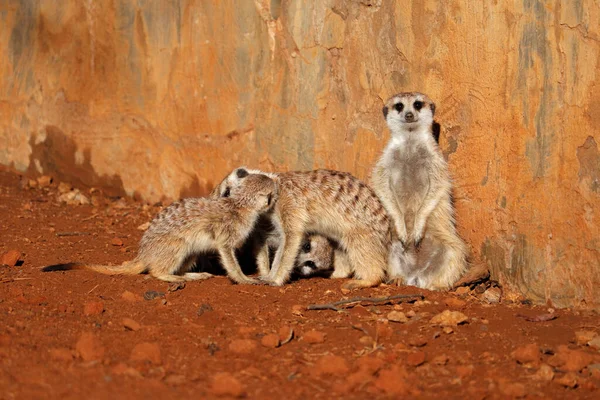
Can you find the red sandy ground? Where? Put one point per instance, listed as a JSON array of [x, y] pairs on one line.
[[63, 335]]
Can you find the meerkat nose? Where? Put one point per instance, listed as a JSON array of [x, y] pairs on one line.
[[409, 116]]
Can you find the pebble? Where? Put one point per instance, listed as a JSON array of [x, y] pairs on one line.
[[583, 337], [453, 302], [242, 346], [416, 359], [544, 373], [10, 258], [463, 290], [225, 384], [286, 334], [440, 359], [567, 380], [146, 352], [595, 343], [448, 330], [417, 341], [64, 187], [116, 242], [528, 354], [73, 198], [397, 316], [570, 360], [492, 295], [449, 318], [383, 330], [44, 181], [271, 340], [93, 308], [393, 381], [89, 347], [297, 309], [314, 337], [144, 226], [464, 371], [330, 365], [130, 324], [131, 297]]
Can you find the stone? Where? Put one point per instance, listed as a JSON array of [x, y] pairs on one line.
[[393, 381], [544, 373], [242, 346], [271, 340], [453, 302], [528, 354], [449, 318], [44, 181], [492, 295], [567, 380], [146, 352], [10, 258], [64, 187], [594, 343], [397, 316], [464, 371], [583, 337], [368, 364], [73, 198], [416, 359], [314, 337], [130, 324], [462, 290], [417, 341], [116, 242], [93, 308], [130, 297], [225, 384], [440, 359], [286, 334], [569, 360], [144, 226], [330, 365], [89, 347]]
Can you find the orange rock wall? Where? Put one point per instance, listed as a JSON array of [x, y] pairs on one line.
[[161, 98]]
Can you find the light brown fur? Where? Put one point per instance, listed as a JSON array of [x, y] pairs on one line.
[[329, 203], [196, 225], [412, 180]]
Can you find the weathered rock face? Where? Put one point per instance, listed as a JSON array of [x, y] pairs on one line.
[[161, 98]]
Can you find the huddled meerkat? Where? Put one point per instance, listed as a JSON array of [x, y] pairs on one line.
[[412, 180], [332, 204], [191, 226]]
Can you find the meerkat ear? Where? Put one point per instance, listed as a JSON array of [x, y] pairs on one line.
[[385, 111], [241, 173], [432, 105]]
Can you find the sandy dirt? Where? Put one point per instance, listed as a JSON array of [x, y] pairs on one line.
[[78, 334]]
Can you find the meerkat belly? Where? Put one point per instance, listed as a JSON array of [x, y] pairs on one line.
[[410, 181]]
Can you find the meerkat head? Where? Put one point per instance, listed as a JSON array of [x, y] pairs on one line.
[[248, 187], [315, 256], [408, 112]]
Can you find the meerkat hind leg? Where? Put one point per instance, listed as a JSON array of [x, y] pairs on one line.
[[368, 267], [341, 265]]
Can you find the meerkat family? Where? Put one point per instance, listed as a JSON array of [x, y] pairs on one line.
[[329, 203], [412, 180], [321, 222], [191, 226]]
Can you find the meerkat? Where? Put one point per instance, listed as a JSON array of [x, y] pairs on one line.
[[413, 182], [332, 204], [191, 226]]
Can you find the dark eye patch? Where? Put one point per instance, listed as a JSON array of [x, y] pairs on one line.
[[418, 105], [399, 107], [241, 173], [227, 192]]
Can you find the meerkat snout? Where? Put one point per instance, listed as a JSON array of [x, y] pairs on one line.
[[410, 110]]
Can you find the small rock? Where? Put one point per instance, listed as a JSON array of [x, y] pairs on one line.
[[153, 294], [131, 297], [441, 359], [93, 308], [397, 316], [89, 347], [130, 324], [417, 341], [383, 330], [64, 187], [330, 365], [61, 354], [344, 290], [463, 371], [448, 330], [411, 314], [416, 359], [370, 365], [44, 181], [286, 334], [545, 373], [10, 258], [314, 337], [492, 295], [225, 384], [595, 343], [570, 360], [144, 226], [116, 242], [528, 354], [271, 340], [567, 380], [146, 352], [512, 389], [463, 290], [242, 346], [366, 340], [449, 318], [453, 302], [74, 197], [297, 309], [393, 381]]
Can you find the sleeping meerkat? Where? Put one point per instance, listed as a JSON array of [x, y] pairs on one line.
[[412, 180], [330, 203], [195, 225]]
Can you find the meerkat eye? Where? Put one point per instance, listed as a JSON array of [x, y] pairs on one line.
[[418, 105], [226, 193], [399, 107], [306, 247]]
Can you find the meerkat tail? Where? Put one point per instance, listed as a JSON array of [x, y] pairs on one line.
[[127, 268]]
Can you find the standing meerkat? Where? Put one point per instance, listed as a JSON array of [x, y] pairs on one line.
[[412, 180], [330, 203], [195, 225]]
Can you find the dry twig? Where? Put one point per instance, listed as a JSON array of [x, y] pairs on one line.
[[349, 303]]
